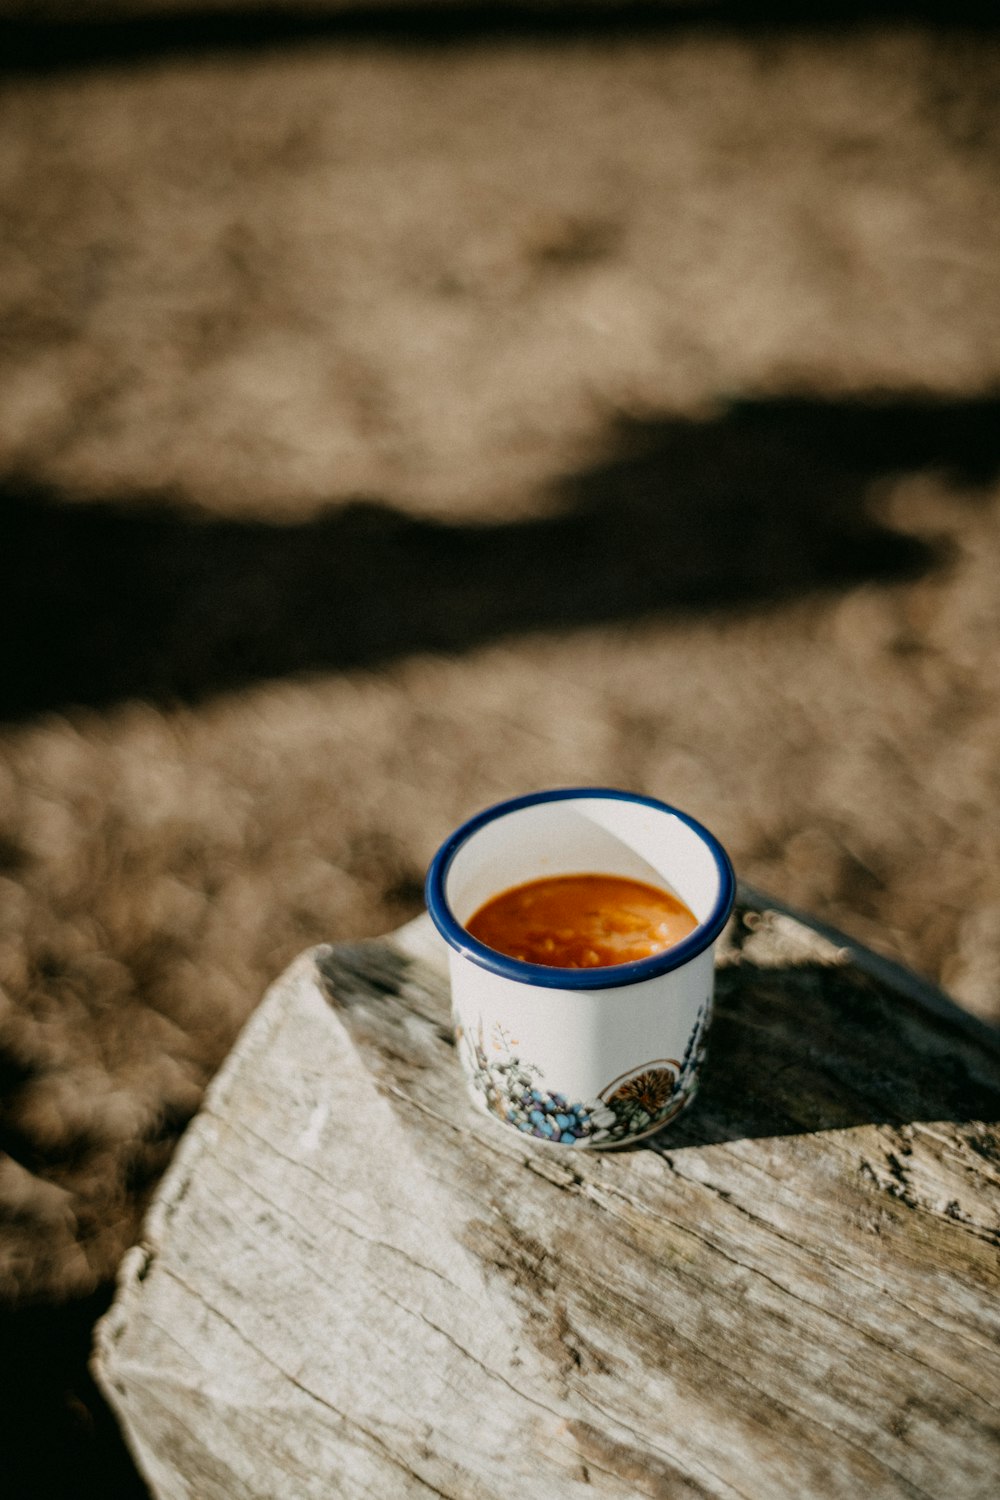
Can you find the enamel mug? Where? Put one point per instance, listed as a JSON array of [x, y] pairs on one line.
[[593, 1057]]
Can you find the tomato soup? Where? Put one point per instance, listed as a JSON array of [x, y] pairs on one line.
[[582, 921]]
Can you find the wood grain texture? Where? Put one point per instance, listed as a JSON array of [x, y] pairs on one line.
[[352, 1284]]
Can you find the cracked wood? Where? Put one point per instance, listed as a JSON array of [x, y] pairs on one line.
[[351, 1284]]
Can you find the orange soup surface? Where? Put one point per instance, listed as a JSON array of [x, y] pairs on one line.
[[582, 921]]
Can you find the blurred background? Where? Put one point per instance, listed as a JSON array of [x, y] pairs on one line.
[[402, 408]]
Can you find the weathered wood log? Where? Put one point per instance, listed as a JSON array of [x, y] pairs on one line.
[[353, 1284]]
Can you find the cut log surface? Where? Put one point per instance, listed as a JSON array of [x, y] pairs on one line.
[[354, 1284]]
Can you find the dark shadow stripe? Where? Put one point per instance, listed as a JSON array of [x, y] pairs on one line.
[[768, 501], [33, 47]]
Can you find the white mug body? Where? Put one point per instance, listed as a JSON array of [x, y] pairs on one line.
[[589, 1058]]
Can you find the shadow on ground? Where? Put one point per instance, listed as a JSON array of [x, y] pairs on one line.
[[769, 501], [60, 38], [59, 1440]]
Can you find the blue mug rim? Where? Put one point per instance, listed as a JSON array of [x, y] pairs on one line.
[[612, 977]]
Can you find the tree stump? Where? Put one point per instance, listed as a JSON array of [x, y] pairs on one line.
[[353, 1284]]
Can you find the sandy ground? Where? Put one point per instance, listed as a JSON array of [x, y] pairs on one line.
[[390, 426]]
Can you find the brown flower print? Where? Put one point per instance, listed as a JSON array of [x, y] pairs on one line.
[[650, 1090]]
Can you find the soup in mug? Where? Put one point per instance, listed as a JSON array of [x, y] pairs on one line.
[[582, 921]]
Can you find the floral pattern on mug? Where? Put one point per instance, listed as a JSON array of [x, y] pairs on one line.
[[512, 1089], [634, 1104]]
